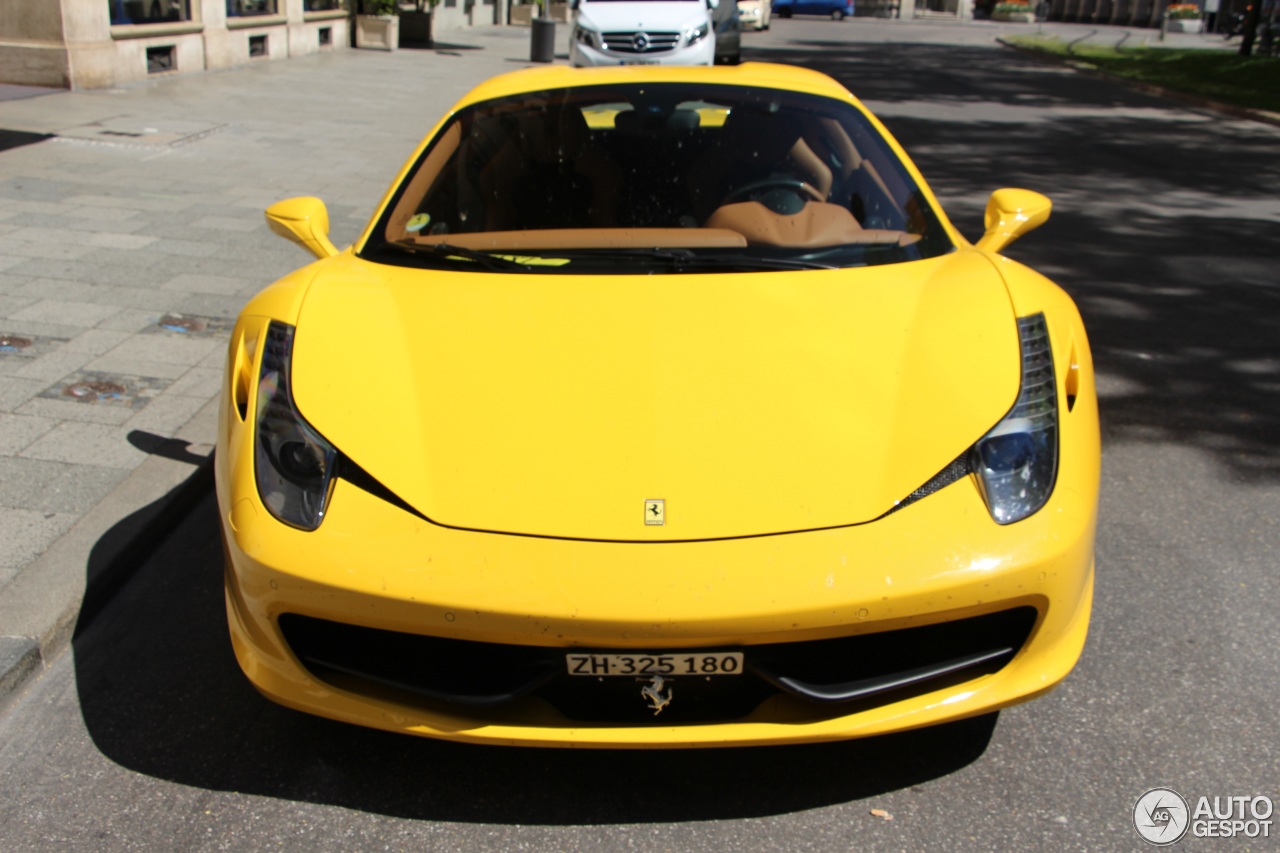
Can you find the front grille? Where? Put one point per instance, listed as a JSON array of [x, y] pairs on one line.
[[639, 42], [812, 679]]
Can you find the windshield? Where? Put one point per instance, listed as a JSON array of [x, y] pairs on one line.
[[650, 178]]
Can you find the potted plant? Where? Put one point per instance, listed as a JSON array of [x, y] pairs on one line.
[[378, 24], [1182, 18], [415, 23]]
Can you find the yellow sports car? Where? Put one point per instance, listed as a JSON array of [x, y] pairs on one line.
[[658, 407]]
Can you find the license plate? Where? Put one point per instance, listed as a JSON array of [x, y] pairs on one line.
[[644, 665]]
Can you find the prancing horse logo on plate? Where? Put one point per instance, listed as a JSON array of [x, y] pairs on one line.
[[655, 512], [653, 692]]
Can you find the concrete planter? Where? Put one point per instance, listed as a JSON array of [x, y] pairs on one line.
[[1014, 17], [523, 14], [1183, 25], [378, 32]]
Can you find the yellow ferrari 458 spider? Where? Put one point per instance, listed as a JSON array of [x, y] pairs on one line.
[[658, 407]]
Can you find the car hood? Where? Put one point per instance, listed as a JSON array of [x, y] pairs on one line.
[[749, 403], [649, 16]]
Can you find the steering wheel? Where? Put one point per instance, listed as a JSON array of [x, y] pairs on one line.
[[785, 196]]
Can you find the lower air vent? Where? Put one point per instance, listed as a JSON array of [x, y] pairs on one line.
[[819, 678]]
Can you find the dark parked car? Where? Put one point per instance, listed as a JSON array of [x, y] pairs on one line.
[[837, 9]]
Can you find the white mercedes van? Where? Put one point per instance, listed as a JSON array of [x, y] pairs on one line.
[[643, 32]]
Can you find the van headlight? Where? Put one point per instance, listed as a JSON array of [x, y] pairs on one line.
[[696, 34], [584, 36]]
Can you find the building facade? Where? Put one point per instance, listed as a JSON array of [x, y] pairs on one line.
[[84, 44]]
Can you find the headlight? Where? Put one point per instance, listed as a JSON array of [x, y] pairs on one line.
[[293, 464], [1017, 461], [697, 34], [582, 35]]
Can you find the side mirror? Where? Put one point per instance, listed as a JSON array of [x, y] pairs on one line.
[[1010, 214], [304, 221], [713, 4]]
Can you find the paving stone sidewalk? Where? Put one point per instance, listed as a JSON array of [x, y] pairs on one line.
[[131, 234]]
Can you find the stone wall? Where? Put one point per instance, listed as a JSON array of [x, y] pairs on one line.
[[73, 43]]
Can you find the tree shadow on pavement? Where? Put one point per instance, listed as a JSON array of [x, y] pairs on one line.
[[1166, 226], [161, 694]]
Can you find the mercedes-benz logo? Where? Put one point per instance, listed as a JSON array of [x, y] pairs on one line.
[[640, 42]]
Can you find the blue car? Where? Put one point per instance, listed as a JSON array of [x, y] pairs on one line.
[[837, 9]]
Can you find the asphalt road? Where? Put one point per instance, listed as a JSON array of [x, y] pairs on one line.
[[1166, 230]]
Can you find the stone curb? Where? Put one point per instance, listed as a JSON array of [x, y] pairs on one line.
[[1200, 101], [62, 590]]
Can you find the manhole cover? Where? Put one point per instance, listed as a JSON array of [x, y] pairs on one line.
[[95, 390], [13, 343], [180, 323]]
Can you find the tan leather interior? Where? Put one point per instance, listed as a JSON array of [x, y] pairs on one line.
[[818, 224], [815, 173], [754, 145]]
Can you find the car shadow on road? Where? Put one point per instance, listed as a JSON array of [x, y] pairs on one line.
[[161, 694]]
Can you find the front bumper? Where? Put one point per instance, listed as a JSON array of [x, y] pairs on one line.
[[379, 567], [701, 53]]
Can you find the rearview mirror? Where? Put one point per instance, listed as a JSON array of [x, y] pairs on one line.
[[304, 221], [1010, 214]]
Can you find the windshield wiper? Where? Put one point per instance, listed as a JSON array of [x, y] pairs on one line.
[[749, 263], [493, 263], [687, 259]]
